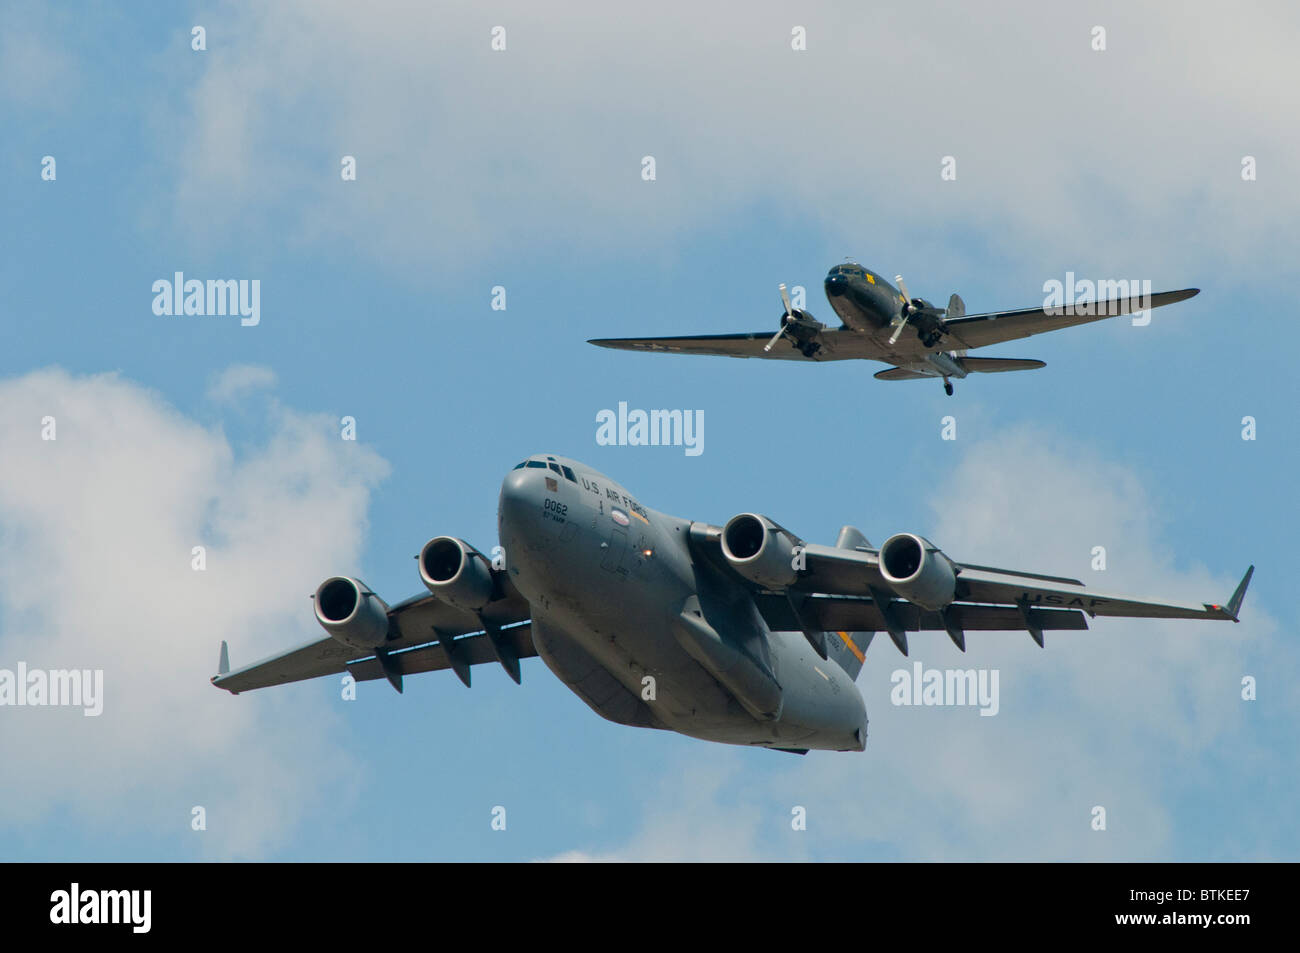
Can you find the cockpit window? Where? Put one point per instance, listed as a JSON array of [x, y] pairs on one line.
[[536, 464], [568, 474], [519, 466], [555, 466]]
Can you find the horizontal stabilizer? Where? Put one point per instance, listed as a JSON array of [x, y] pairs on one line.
[[996, 365], [903, 374], [973, 365]]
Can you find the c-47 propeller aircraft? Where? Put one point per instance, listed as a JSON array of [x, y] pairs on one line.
[[741, 633], [885, 323]]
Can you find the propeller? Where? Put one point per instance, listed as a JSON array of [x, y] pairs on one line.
[[908, 310], [789, 313]]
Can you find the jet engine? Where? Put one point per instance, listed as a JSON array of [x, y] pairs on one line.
[[760, 550], [916, 570], [351, 613], [456, 573]]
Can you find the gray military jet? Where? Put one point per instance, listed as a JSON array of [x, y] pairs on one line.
[[875, 317], [741, 633]]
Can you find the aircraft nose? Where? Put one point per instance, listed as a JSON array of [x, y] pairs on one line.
[[521, 529], [517, 490], [836, 285]]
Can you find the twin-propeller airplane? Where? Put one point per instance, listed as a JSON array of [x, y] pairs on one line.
[[885, 323], [741, 633]]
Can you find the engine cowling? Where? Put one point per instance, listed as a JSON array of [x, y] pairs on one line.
[[801, 324], [916, 569], [456, 573], [760, 550], [351, 613]]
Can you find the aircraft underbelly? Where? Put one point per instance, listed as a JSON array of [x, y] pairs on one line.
[[588, 679], [680, 692], [822, 709]]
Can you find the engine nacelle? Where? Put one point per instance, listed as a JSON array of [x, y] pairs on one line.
[[351, 613], [456, 573], [760, 550], [801, 323], [916, 570]]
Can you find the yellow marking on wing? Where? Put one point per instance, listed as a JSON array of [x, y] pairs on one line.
[[844, 636]]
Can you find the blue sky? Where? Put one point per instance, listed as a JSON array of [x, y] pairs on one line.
[[521, 168]]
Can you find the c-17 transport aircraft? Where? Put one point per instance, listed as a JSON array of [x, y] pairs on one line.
[[741, 633], [875, 315]]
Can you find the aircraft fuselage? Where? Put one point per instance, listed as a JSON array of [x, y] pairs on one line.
[[646, 633], [864, 300]]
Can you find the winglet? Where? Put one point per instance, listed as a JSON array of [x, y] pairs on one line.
[[223, 663], [1234, 604]]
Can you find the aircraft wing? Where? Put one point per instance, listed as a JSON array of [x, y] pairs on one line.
[[415, 625], [837, 344], [322, 657], [980, 330], [843, 572], [845, 589]]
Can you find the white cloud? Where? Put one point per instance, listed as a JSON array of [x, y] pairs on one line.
[[96, 533], [36, 72], [1098, 159], [240, 380]]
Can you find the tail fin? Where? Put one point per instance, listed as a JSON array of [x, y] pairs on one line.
[[956, 308], [848, 649], [851, 538]]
